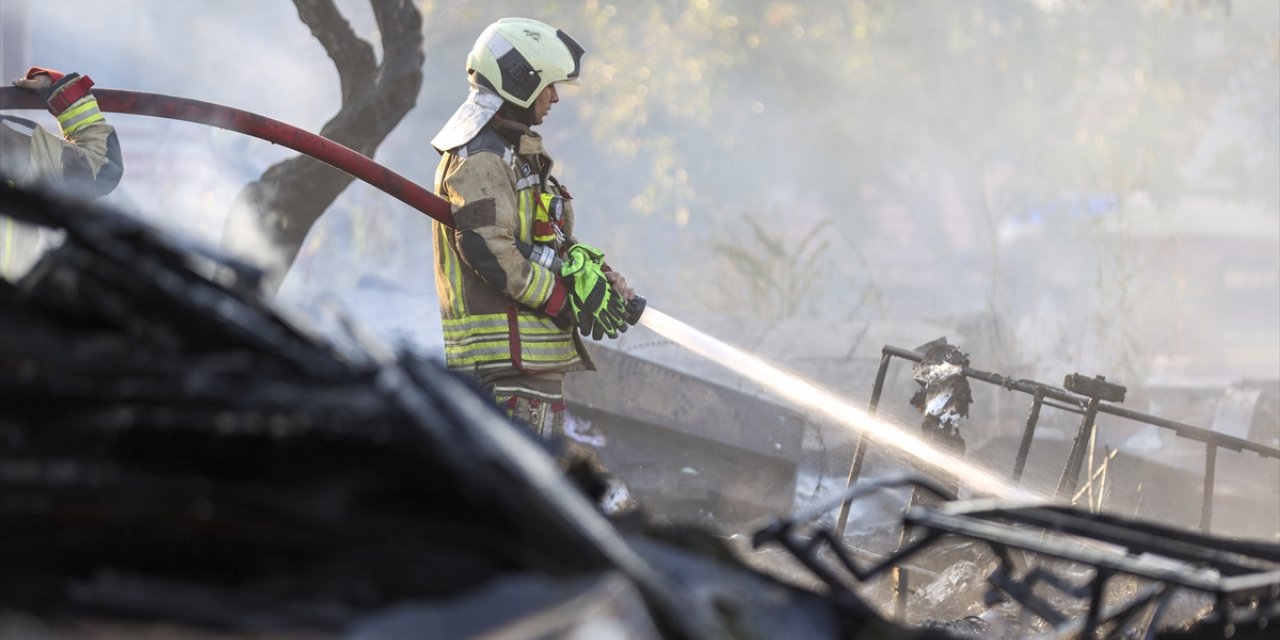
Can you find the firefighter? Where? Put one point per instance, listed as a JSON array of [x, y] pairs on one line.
[[517, 290], [85, 159]]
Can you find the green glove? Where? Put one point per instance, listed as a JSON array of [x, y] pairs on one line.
[[598, 308]]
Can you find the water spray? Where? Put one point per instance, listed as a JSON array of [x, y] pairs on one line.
[[808, 395]]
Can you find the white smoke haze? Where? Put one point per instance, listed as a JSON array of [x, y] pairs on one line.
[[1057, 187], [183, 177], [887, 257]]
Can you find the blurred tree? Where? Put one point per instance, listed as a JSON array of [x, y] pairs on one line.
[[291, 195], [768, 280]]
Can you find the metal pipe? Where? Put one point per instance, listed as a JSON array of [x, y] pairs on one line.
[[1096, 589], [1028, 432], [251, 124], [1082, 445], [1210, 470], [1183, 430]]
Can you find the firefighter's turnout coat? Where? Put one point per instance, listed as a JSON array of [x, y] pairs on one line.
[[491, 295], [85, 161]]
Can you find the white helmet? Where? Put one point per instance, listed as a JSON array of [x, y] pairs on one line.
[[518, 57]]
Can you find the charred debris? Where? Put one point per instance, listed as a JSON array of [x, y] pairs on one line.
[[176, 452], [1047, 567], [179, 456]]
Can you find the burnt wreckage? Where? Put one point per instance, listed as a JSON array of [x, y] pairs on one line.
[[1065, 571], [175, 451]]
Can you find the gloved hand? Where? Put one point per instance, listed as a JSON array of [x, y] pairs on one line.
[[598, 308], [38, 79], [59, 90]]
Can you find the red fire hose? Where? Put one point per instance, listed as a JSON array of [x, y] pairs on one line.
[[252, 124]]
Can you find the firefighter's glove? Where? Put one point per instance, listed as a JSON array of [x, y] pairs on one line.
[[59, 90], [597, 308], [40, 80]]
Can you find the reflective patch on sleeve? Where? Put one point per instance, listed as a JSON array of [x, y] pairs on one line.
[[538, 290], [80, 116]]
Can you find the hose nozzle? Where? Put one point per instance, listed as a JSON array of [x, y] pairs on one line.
[[635, 307]]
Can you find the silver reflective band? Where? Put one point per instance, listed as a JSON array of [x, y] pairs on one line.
[[546, 257], [498, 45]]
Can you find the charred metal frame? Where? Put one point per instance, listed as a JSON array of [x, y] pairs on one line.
[[1062, 399], [1242, 577]]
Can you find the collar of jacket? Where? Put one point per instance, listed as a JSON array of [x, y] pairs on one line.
[[528, 142]]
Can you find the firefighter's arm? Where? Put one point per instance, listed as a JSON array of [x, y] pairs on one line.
[[486, 235], [88, 153]]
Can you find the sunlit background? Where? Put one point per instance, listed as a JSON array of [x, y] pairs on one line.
[[1092, 184], [1056, 186], [1089, 184]]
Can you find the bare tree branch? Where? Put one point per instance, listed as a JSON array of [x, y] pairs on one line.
[[352, 56], [291, 195]]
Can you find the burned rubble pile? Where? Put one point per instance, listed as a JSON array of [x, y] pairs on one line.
[[1009, 570], [174, 451]]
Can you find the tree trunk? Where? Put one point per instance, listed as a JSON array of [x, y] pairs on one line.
[[283, 204]]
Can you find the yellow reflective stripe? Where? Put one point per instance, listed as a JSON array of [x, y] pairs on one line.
[[466, 339], [89, 105], [563, 351], [539, 288], [559, 352], [455, 271], [525, 215], [494, 348], [482, 342], [542, 333], [479, 319], [79, 117], [456, 357], [491, 322], [88, 120], [528, 324], [452, 274]]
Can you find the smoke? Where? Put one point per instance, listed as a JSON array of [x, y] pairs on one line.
[[185, 178], [1091, 184], [180, 176], [1056, 187]]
